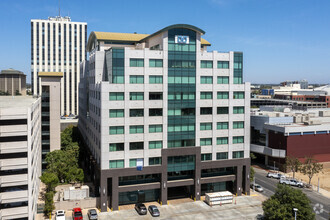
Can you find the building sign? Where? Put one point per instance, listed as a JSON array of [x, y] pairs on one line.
[[139, 164], [180, 39]]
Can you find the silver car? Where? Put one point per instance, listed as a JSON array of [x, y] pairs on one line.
[[92, 214], [257, 187]]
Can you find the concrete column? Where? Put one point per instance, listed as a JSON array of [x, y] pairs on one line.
[[114, 194], [163, 183], [238, 182], [266, 160], [247, 179], [198, 177], [103, 192]]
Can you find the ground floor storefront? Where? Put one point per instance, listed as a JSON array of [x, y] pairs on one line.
[[181, 174]]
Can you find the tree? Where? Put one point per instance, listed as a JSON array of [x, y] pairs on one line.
[[49, 203], [311, 167], [75, 175], [293, 164], [50, 179], [252, 172], [281, 204]]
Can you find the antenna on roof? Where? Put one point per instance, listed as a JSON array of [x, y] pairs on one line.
[[59, 8]]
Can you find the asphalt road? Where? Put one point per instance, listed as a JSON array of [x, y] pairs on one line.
[[269, 185]]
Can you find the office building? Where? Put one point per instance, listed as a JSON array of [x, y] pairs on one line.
[[280, 131], [50, 111], [20, 156], [162, 117], [58, 45], [13, 82]]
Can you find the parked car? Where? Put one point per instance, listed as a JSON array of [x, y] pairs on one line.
[[77, 214], [257, 187], [154, 210], [92, 214], [274, 175], [291, 182], [60, 215], [141, 208]]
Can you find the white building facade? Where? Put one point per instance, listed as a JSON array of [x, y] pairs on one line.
[[58, 45], [161, 108], [20, 156]]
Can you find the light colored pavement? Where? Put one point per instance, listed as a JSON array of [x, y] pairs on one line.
[[246, 207]]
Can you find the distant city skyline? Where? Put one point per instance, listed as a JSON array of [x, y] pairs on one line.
[[281, 40]]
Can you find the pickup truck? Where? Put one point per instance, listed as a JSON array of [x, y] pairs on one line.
[[291, 182], [274, 175]]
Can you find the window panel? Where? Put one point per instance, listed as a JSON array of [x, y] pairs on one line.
[[116, 164], [223, 95], [222, 140], [206, 79], [136, 146], [116, 147], [206, 64], [222, 125], [205, 157], [156, 79], [206, 126], [238, 110], [223, 80], [238, 95], [136, 79], [136, 62], [136, 112], [238, 124], [155, 144], [222, 156], [223, 64], [136, 129], [155, 112], [205, 141], [136, 96], [155, 128], [116, 130], [206, 111], [155, 63], [222, 110], [116, 96], [206, 95], [155, 161], [116, 113], [238, 139], [238, 154]]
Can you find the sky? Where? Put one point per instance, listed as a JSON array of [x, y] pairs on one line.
[[281, 39]]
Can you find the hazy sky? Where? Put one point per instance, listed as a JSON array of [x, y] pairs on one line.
[[281, 39]]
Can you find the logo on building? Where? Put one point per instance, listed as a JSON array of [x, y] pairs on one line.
[[180, 39]]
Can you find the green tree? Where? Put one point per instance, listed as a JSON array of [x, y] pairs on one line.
[[75, 175], [49, 203], [252, 172], [293, 164], [311, 167], [281, 204], [50, 179]]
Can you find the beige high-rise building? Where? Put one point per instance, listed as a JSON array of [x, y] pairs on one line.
[[58, 45], [20, 156], [13, 82]]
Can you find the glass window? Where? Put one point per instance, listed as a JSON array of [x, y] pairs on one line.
[[136, 79], [155, 63], [206, 95], [136, 62], [136, 146], [238, 124], [222, 110], [116, 113], [222, 156], [181, 96], [223, 80], [206, 126], [206, 64], [136, 129], [118, 79], [116, 130], [238, 139], [223, 95], [238, 154], [238, 95], [206, 141], [181, 80], [222, 125], [155, 144], [155, 161], [136, 96], [132, 162], [116, 164], [206, 79], [222, 140], [155, 112], [206, 111], [116, 96], [223, 64], [179, 128], [238, 110], [156, 79], [116, 147], [136, 112], [155, 96], [155, 128], [205, 157]]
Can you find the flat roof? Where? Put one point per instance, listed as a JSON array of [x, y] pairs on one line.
[[59, 74], [16, 101]]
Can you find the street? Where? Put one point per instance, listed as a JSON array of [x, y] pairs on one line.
[[269, 185]]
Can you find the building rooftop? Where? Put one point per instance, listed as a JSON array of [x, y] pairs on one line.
[[16, 101], [12, 71], [134, 37]]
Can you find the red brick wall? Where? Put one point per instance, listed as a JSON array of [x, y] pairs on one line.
[[300, 146]]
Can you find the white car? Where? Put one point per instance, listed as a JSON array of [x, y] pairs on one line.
[[274, 175], [257, 187], [60, 215]]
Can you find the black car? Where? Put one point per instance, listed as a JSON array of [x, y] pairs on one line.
[[154, 211], [141, 208]]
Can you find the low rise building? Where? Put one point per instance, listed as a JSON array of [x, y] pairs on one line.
[[20, 156], [280, 131], [13, 82]]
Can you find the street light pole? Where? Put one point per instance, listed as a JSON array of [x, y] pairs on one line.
[[295, 213]]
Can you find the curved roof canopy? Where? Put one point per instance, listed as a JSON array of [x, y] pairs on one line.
[[129, 37]]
